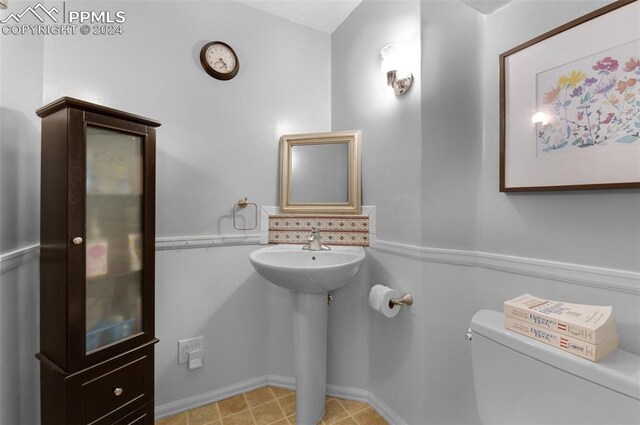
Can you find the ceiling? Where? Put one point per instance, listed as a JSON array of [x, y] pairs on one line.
[[327, 15], [322, 15], [486, 6]]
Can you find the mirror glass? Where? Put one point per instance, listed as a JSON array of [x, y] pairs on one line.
[[319, 173]]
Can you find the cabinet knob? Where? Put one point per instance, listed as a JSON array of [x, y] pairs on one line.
[[77, 240], [118, 391]]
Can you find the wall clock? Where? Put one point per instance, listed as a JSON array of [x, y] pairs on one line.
[[219, 60]]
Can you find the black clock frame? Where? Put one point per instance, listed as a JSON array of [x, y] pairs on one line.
[[215, 74]]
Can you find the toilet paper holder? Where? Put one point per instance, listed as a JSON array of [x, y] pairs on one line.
[[406, 299]]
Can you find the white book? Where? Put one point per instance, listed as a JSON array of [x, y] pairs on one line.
[[593, 352], [589, 323]]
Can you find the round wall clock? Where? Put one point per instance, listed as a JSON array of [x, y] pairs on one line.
[[219, 60]]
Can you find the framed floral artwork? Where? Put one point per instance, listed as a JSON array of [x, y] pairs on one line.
[[570, 105]]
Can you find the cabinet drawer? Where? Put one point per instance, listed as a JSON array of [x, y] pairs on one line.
[[93, 392], [89, 396], [113, 390], [142, 416]]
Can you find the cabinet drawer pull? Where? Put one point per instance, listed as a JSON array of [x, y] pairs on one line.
[[77, 240], [118, 391]]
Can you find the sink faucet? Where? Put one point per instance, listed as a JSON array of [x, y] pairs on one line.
[[314, 242]]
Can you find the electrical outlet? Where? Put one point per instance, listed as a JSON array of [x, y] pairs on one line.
[[186, 346]]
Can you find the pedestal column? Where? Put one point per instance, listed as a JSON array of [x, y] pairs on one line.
[[310, 352]]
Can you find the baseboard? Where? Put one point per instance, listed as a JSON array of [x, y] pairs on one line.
[[385, 411], [281, 381], [368, 397], [348, 393], [192, 402]]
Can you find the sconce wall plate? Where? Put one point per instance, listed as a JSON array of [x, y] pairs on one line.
[[399, 81]]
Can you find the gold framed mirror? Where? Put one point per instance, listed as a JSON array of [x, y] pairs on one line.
[[320, 173]]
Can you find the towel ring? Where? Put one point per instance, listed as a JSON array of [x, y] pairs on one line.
[[243, 203]]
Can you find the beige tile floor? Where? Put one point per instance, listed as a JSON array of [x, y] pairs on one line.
[[273, 406]]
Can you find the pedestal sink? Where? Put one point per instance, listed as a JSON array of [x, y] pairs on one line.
[[310, 275]]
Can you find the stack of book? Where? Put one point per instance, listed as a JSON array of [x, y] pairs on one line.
[[587, 331]]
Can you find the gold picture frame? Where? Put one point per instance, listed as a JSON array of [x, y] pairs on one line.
[[353, 140]]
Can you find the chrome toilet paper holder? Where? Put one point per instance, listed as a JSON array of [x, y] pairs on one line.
[[406, 299]]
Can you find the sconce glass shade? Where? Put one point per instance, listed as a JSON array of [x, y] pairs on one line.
[[394, 66], [390, 58]]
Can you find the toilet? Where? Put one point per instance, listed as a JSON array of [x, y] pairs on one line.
[[521, 381]]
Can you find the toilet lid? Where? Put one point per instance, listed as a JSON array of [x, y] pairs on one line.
[[619, 372]]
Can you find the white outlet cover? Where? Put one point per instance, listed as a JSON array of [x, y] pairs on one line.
[[186, 346], [196, 359]]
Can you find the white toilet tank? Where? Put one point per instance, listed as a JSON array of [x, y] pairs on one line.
[[522, 381]]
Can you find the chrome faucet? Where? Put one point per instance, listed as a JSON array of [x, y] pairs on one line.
[[314, 242]]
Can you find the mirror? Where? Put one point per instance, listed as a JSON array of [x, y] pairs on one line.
[[320, 173], [331, 162]]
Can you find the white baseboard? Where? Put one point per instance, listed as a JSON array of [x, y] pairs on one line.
[[385, 411], [287, 382], [198, 400], [368, 397], [348, 393], [356, 394]]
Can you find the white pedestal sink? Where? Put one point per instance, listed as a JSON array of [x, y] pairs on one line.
[[310, 275]]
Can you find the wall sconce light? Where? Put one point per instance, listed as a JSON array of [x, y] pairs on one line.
[[395, 67], [3, 4]]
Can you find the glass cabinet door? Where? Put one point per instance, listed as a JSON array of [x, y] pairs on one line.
[[114, 235]]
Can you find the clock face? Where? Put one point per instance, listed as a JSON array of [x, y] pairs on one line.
[[219, 60]]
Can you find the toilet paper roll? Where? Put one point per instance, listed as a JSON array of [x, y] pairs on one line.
[[379, 298]]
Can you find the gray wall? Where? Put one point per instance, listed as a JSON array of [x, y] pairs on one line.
[[361, 100], [245, 320], [420, 167], [451, 122], [219, 140], [419, 363], [20, 95], [429, 165], [218, 143]]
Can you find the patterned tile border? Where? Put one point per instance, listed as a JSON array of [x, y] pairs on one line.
[[327, 238], [323, 223], [336, 230]]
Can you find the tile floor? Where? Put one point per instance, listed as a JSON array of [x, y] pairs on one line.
[[273, 406]]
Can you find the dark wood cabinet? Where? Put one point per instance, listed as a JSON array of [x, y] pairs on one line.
[[97, 238]]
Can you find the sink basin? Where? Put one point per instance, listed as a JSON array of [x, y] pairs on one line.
[[310, 272]]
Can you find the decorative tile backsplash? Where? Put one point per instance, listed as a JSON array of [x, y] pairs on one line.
[[335, 230]]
